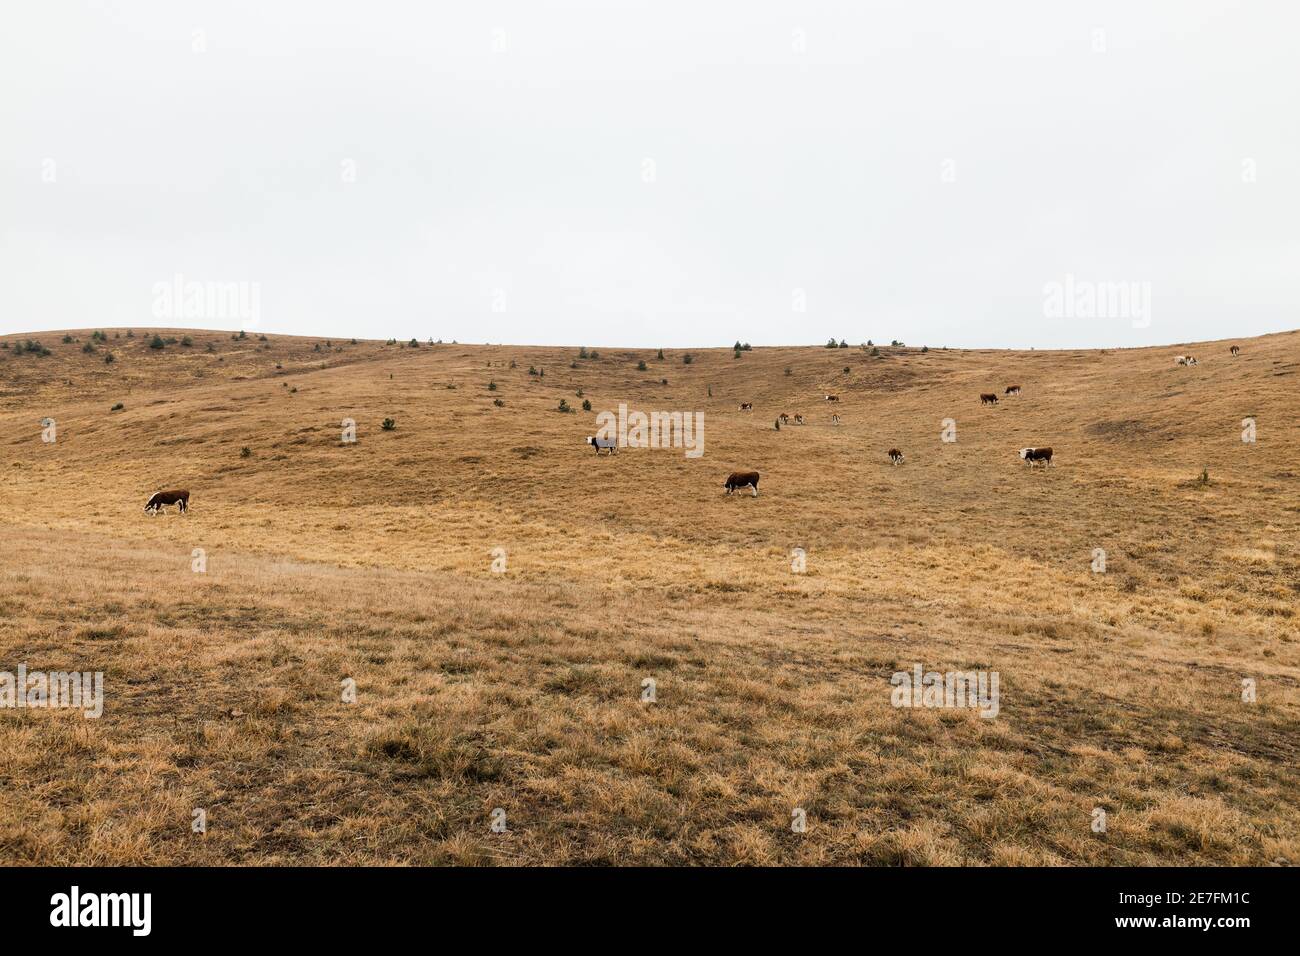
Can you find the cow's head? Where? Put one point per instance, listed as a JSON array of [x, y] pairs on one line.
[[1024, 452]]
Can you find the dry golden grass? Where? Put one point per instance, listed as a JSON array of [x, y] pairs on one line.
[[522, 690]]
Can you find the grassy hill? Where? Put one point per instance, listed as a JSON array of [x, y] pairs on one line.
[[373, 561]]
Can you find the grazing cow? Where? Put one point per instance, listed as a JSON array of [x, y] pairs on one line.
[[160, 499], [746, 406], [835, 419], [607, 443], [1191, 360], [785, 419], [1033, 455], [798, 419], [1180, 359], [1234, 350], [988, 398], [742, 479], [832, 398], [895, 456], [1012, 390]]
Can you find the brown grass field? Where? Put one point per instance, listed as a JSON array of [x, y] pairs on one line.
[[522, 690]]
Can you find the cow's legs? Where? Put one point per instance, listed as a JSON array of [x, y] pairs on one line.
[[754, 488]]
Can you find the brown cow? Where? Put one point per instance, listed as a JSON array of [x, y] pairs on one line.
[[785, 419], [988, 398], [798, 419], [742, 479], [895, 456], [1234, 350], [1033, 455], [832, 398], [1013, 390], [160, 499], [746, 406]]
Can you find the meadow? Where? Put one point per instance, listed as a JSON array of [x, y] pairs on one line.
[[499, 596]]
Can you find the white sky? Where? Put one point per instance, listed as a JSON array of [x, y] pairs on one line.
[[522, 169]]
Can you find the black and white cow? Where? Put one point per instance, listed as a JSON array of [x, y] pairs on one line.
[[161, 499], [608, 444], [1032, 456], [742, 479]]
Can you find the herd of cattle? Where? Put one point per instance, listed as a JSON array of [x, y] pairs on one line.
[[737, 480], [1030, 456]]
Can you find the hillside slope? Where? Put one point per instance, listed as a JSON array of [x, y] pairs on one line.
[[522, 690]]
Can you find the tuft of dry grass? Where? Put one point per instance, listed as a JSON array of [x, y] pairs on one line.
[[371, 562]]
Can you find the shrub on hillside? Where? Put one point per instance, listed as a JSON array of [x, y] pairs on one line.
[[157, 342]]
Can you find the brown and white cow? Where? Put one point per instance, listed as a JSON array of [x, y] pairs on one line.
[[798, 420], [988, 398], [1012, 390], [785, 419], [1234, 351], [832, 398], [746, 406], [742, 479], [1035, 455], [895, 456], [160, 499]]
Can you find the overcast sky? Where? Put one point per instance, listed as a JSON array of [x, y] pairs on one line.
[[656, 174]]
